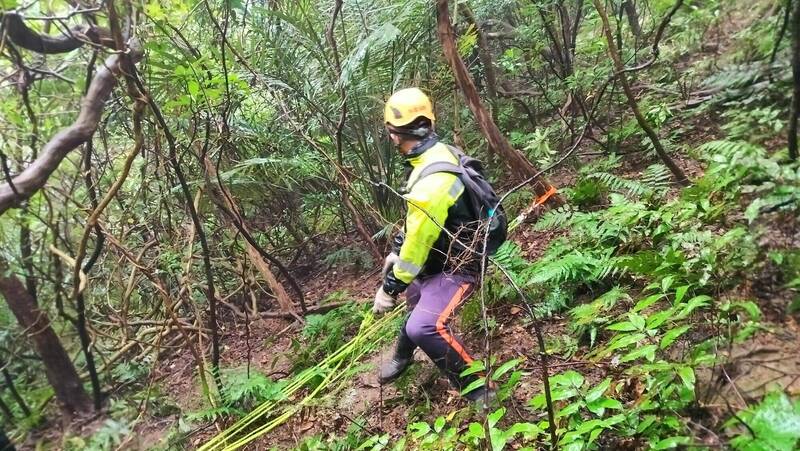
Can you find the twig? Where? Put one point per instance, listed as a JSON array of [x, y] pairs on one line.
[[784, 26], [654, 50], [543, 359]]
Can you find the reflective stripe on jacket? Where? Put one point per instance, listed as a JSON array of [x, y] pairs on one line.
[[428, 201]]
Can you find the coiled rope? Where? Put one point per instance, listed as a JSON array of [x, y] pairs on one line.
[[332, 368]]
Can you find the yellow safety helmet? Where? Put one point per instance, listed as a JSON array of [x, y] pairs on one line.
[[406, 105]]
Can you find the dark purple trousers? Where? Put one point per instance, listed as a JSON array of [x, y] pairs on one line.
[[432, 302]]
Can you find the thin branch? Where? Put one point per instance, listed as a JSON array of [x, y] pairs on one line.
[[787, 13], [654, 51], [34, 177]]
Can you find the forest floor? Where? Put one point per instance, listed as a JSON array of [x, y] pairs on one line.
[[768, 359], [268, 346]]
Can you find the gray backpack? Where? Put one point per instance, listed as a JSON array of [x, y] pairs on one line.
[[480, 196]]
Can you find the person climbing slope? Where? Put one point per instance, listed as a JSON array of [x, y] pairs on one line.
[[436, 259]]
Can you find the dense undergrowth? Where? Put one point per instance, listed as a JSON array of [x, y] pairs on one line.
[[651, 281], [648, 282], [648, 294]]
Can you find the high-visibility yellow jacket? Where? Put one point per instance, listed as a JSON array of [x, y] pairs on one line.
[[433, 202]]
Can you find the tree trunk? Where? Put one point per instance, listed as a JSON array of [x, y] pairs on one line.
[[680, 177], [88, 353], [26, 250], [58, 367], [795, 109], [633, 19], [484, 53], [517, 163], [222, 197]]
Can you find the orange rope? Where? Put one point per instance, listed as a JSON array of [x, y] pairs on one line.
[[541, 200]]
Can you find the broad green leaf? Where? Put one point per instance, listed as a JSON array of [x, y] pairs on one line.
[[671, 442], [666, 282], [193, 87], [598, 390], [475, 367], [625, 326], [680, 292], [498, 439], [419, 429], [616, 419], [753, 210], [623, 341], [595, 433], [474, 385], [528, 430], [599, 407], [645, 423], [637, 320], [504, 368], [776, 423], [587, 426], [495, 416], [438, 425], [154, 10], [476, 430], [750, 307], [569, 409], [692, 305], [647, 302], [673, 335], [574, 446], [659, 318], [687, 376], [649, 352], [568, 378]]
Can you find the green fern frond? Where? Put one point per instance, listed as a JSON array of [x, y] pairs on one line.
[[734, 76], [657, 177], [615, 183], [555, 219], [723, 151], [509, 256], [608, 268]]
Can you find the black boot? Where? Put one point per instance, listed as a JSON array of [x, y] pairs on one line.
[[402, 358], [483, 397], [452, 365]]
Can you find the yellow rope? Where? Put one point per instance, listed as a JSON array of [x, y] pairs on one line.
[[235, 436]]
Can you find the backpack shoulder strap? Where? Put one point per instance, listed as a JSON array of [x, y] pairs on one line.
[[456, 151], [437, 166]]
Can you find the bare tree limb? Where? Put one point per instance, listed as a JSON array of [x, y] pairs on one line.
[[35, 176], [787, 13], [677, 172], [654, 51], [516, 162], [20, 34]]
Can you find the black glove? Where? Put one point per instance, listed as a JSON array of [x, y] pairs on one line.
[[397, 242], [392, 285]]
